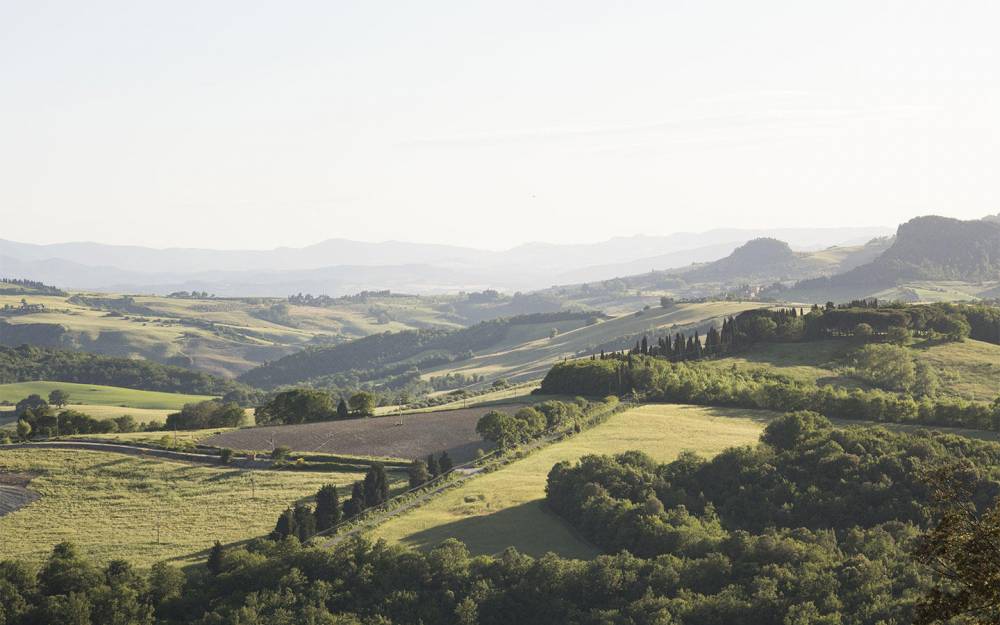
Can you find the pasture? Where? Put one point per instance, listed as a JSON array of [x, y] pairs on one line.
[[97, 395], [504, 508], [144, 510], [406, 436]]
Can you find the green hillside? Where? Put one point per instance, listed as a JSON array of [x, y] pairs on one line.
[[520, 348], [97, 395]]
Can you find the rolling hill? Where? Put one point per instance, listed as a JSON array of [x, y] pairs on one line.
[[928, 251]]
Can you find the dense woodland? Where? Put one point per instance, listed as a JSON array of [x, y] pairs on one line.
[[823, 521], [26, 363]]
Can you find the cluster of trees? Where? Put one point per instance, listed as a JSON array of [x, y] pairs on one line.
[[303, 521], [26, 363], [423, 471], [207, 414], [31, 286], [867, 319], [38, 417], [793, 577], [894, 368], [308, 405], [23, 308], [454, 380], [325, 300], [508, 430], [704, 384], [825, 518]]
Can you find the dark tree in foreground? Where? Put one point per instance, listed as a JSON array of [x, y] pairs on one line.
[[285, 526], [432, 466], [418, 473], [356, 504], [327, 507], [214, 563], [445, 464], [343, 411], [305, 522], [963, 550], [376, 485]]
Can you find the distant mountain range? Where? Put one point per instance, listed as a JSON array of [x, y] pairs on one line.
[[341, 266]]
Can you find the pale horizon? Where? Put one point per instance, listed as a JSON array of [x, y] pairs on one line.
[[252, 126]]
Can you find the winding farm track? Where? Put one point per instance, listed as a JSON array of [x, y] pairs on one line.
[[142, 452]]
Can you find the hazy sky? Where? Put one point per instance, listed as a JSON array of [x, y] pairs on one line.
[[252, 124]]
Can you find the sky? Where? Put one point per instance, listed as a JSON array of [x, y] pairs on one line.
[[241, 124]]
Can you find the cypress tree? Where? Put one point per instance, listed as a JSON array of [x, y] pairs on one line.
[[342, 410], [376, 485], [697, 345], [645, 346], [305, 522], [285, 526], [445, 464], [418, 473], [215, 558], [327, 507], [432, 466], [356, 504]]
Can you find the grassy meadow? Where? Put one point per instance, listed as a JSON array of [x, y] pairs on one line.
[[89, 395], [111, 505], [504, 508]]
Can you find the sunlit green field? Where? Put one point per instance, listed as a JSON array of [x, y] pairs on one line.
[[97, 395], [112, 505], [504, 508]]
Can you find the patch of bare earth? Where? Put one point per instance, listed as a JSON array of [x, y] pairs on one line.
[[14, 493], [408, 436]]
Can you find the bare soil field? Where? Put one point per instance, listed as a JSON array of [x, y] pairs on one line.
[[420, 434], [14, 493]]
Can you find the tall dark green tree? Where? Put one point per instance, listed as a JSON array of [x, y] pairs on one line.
[[285, 526], [376, 485], [327, 507], [418, 473], [214, 563], [343, 411], [356, 504], [305, 522], [445, 464], [432, 465]]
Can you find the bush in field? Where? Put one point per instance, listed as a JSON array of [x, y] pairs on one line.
[[888, 367], [362, 404]]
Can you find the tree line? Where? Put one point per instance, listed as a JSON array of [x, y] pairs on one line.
[[700, 383], [27, 363]]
